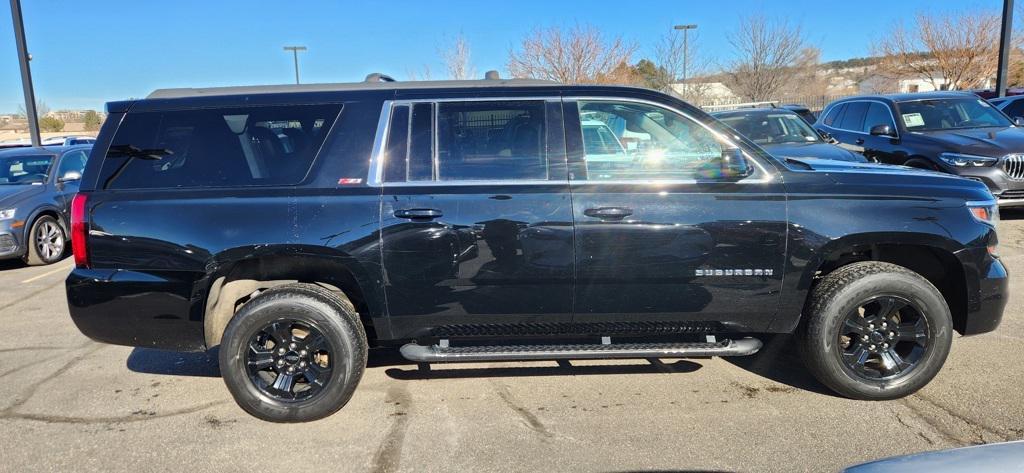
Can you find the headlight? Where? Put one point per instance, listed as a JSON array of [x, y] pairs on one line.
[[987, 211], [7, 214], [966, 160]]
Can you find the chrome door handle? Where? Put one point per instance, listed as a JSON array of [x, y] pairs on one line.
[[418, 214], [608, 213]]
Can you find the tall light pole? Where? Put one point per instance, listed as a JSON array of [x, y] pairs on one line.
[[686, 46], [26, 72], [1004, 48], [295, 52]]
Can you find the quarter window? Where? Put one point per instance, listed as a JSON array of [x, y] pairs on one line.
[[631, 141], [272, 145], [833, 116]]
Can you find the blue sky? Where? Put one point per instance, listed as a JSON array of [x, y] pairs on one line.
[[89, 52]]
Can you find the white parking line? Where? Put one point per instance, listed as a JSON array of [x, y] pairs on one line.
[[54, 271]]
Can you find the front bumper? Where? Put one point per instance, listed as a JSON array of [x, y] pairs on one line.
[[987, 291], [1009, 192], [11, 245]]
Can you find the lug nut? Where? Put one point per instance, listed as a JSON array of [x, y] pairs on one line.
[[280, 362], [863, 338], [302, 364], [303, 353], [291, 370], [885, 345], [871, 347], [884, 325], [871, 326], [892, 334], [292, 345], [281, 350]]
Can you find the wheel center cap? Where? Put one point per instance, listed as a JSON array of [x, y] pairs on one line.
[[877, 337], [292, 358]]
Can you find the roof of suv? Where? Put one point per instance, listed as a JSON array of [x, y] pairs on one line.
[[902, 97], [346, 86]]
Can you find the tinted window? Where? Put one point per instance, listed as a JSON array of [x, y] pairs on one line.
[[25, 169], [491, 141], [72, 161], [421, 142], [853, 119], [397, 158], [878, 114], [650, 143], [833, 115], [216, 147], [771, 128]]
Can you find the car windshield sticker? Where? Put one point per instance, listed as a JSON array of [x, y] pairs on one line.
[[913, 120]]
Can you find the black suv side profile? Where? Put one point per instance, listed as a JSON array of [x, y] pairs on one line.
[[293, 227], [953, 132]]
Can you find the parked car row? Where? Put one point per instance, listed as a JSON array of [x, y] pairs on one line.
[[957, 133]]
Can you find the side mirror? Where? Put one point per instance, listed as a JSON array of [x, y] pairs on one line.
[[825, 136], [882, 130], [733, 164], [70, 176], [1019, 121]]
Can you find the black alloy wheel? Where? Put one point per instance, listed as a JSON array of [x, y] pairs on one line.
[[883, 338], [289, 360]]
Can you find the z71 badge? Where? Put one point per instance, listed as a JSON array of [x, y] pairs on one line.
[[734, 272]]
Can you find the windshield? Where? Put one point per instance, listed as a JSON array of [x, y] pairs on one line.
[[950, 114], [24, 169], [771, 128]]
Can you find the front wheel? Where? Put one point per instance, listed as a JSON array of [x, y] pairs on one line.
[[294, 353], [46, 242], [876, 331]]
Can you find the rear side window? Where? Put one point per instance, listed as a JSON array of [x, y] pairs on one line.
[[1015, 109], [491, 141], [853, 119], [226, 147]]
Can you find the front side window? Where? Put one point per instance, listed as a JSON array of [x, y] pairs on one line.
[[633, 141], [950, 114], [878, 114], [222, 147], [73, 161], [17, 170]]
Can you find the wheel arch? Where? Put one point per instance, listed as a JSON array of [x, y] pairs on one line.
[[242, 273], [931, 256], [39, 212]]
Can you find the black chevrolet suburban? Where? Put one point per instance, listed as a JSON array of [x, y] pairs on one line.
[[292, 227]]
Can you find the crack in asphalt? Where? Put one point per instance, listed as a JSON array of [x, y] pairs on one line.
[[389, 453], [978, 426], [977, 429], [531, 420]]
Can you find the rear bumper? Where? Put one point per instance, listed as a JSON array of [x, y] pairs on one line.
[[987, 291], [142, 309]]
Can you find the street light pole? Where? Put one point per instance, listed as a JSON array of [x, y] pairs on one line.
[[26, 72], [686, 47], [295, 53], [1004, 48]]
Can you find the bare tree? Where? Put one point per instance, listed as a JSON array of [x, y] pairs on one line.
[[958, 50], [41, 109], [767, 53], [456, 59], [580, 54]]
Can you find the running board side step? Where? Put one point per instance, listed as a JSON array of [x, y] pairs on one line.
[[443, 354]]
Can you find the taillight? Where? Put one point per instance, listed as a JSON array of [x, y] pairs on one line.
[[79, 230]]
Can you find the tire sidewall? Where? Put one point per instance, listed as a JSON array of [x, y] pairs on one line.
[[345, 358], [934, 309]]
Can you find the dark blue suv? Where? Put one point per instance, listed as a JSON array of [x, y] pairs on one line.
[[36, 187]]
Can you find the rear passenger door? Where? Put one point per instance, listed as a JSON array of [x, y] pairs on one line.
[[476, 218], [661, 233]]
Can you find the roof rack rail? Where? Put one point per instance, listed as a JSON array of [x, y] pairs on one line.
[[492, 75], [378, 77]]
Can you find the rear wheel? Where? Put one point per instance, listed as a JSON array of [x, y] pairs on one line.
[[46, 242], [294, 353], [876, 331]]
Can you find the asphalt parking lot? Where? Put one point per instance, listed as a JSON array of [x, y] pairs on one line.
[[70, 404]]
